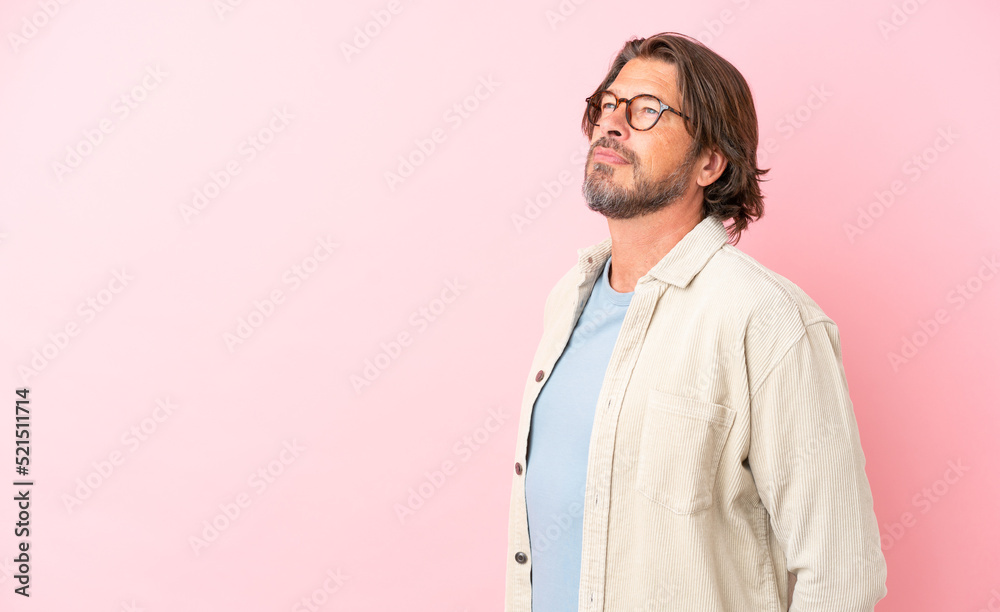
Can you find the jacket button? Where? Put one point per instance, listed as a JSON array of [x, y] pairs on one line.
[[540, 376], [517, 468], [590, 260], [521, 557]]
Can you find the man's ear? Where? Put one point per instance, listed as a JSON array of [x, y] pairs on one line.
[[712, 165]]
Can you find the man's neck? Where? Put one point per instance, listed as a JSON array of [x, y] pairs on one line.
[[640, 243]]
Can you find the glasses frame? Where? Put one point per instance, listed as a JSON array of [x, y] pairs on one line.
[[628, 112]]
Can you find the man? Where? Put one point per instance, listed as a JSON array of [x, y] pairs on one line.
[[686, 441]]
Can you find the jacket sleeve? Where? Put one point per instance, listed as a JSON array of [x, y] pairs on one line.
[[809, 469]]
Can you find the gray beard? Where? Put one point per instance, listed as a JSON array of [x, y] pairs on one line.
[[616, 202]]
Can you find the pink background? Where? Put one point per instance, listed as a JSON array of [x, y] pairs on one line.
[[202, 83]]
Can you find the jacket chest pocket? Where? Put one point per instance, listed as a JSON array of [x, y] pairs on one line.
[[679, 451]]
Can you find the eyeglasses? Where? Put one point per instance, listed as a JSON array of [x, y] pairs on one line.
[[642, 112]]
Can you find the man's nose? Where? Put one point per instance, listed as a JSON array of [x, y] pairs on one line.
[[616, 124]]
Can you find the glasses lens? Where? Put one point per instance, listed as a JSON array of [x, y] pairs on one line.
[[601, 106], [643, 112]]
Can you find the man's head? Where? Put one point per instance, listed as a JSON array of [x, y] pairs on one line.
[[706, 140]]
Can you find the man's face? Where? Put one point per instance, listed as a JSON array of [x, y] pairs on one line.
[[631, 173]]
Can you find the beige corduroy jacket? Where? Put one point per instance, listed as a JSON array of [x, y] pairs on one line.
[[725, 460]]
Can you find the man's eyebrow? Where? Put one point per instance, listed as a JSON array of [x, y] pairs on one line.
[[642, 93]]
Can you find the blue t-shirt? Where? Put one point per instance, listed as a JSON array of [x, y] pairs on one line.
[[558, 446]]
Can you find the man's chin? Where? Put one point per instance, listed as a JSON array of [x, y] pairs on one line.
[[603, 169], [613, 213], [610, 182]]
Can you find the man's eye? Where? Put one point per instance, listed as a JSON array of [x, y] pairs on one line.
[[608, 107], [649, 110]]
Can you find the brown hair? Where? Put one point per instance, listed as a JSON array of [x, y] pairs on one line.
[[718, 100]]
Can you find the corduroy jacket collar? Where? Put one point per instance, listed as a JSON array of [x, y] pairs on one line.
[[677, 267]]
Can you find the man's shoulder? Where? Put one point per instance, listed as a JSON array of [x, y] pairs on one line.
[[762, 288], [773, 312], [744, 284]]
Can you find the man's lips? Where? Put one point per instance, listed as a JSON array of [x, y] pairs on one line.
[[608, 156]]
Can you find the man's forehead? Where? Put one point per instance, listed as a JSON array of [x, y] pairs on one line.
[[641, 75]]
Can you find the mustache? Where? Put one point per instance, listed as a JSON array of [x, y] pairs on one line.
[[612, 144]]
